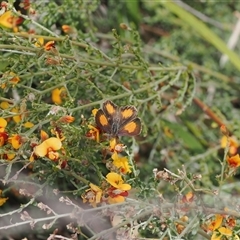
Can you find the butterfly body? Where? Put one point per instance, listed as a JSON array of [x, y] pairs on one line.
[[118, 121]]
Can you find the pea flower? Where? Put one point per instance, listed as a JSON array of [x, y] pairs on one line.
[[118, 190], [3, 124], [92, 195], [121, 163], [57, 95], [48, 148], [234, 161], [215, 224], [2, 200], [16, 141]]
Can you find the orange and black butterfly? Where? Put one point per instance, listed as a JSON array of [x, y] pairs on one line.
[[118, 121]]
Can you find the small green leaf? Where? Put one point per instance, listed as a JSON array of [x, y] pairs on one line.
[[3, 65]]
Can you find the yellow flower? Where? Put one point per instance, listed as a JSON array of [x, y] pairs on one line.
[[57, 94], [179, 226], [10, 156], [58, 132], [28, 125], [16, 141], [117, 182], [223, 232], [234, 161], [2, 200], [93, 133], [8, 20], [121, 162], [92, 195], [3, 124], [11, 78], [94, 112], [39, 42], [216, 223], [233, 144], [4, 105], [116, 199], [114, 146], [16, 118], [48, 148]]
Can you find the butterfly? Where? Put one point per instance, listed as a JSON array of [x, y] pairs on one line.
[[118, 121]]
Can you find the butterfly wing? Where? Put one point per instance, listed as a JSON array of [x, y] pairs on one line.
[[118, 121], [102, 121], [131, 128], [127, 114], [110, 110]]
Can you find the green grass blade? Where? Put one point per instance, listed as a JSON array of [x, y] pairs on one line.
[[203, 30]]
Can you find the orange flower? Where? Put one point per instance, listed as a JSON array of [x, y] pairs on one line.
[[67, 119], [234, 161], [57, 95], [116, 195], [49, 45], [43, 135], [231, 222], [188, 198], [48, 148], [69, 30], [53, 61], [3, 138], [92, 195], [116, 199], [11, 78], [16, 141], [66, 28], [224, 130]]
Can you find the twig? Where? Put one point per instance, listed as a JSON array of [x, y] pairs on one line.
[[209, 112]]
